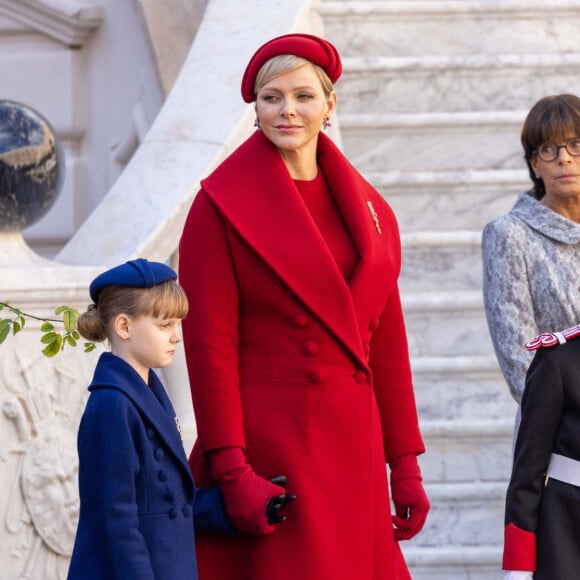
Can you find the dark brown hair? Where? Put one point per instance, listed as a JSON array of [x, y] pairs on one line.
[[165, 300], [555, 118]]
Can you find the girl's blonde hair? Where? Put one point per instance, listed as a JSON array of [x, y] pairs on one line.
[[283, 63], [165, 300]]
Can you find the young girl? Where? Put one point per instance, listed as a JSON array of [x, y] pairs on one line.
[[137, 508], [542, 518]]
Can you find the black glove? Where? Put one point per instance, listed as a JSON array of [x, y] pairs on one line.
[[276, 503]]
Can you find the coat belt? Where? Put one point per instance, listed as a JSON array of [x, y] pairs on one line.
[[564, 469]]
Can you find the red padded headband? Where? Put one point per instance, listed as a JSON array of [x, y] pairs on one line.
[[312, 48]]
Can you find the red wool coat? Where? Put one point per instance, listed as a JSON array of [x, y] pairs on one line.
[[310, 374]]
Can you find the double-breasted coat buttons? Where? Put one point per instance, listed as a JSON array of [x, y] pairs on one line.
[[310, 348], [300, 320], [360, 377]]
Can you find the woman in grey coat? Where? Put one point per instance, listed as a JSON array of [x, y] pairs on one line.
[[531, 256]]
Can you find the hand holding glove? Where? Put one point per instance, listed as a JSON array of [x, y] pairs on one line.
[[411, 503], [252, 502]]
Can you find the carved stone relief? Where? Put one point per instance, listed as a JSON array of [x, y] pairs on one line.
[[41, 401]]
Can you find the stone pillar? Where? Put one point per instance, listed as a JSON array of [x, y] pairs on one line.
[[41, 401]]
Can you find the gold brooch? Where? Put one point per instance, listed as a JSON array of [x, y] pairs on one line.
[[374, 216]]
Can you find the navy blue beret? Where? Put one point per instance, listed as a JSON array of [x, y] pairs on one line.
[[138, 273]]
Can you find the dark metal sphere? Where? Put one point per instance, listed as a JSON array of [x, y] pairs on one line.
[[31, 166]]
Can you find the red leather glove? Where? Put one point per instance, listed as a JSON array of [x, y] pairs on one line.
[[245, 493], [411, 503]]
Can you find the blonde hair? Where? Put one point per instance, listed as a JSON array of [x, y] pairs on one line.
[[165, 300], [283, 63]]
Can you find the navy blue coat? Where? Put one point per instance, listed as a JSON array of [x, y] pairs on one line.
[[137, 510]]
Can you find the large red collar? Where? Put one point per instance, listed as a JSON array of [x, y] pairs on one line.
[[255, 193]]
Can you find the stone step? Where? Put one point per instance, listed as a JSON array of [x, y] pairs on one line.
[[431, 104], [451, 27], [446, 324], [467, 514], [449, 200], [463, 388], [454, 562], [441, 261], [434, 141], [481, 82], [463, 451]]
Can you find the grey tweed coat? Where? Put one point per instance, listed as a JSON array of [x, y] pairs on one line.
[[531, 282]]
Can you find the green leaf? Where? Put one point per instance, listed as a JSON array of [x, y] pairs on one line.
[[50, 337], [70, 320], [90, 346], [4, 331], [54, 341], [53, 348]]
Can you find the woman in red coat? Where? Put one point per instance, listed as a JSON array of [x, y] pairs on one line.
[[296, 344]]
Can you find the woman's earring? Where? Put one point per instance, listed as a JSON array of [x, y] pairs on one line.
[[257, 123], [326, 123]]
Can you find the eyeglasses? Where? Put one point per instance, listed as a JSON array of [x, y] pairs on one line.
[[550, 151]]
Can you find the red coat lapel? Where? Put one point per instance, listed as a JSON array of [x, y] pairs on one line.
[[253, 190], [373, 227]]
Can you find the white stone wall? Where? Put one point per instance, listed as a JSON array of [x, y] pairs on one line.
[[90, 70], [41, 401]]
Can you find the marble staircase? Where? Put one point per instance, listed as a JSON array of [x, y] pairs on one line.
[[431, 103]]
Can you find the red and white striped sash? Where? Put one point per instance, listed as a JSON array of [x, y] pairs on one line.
[[547, 339]]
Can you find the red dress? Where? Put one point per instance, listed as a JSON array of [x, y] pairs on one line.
[[308, 371]]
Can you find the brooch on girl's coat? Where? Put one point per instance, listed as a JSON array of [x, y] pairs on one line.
[[178, 425], [374, 216], [547, 339]]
